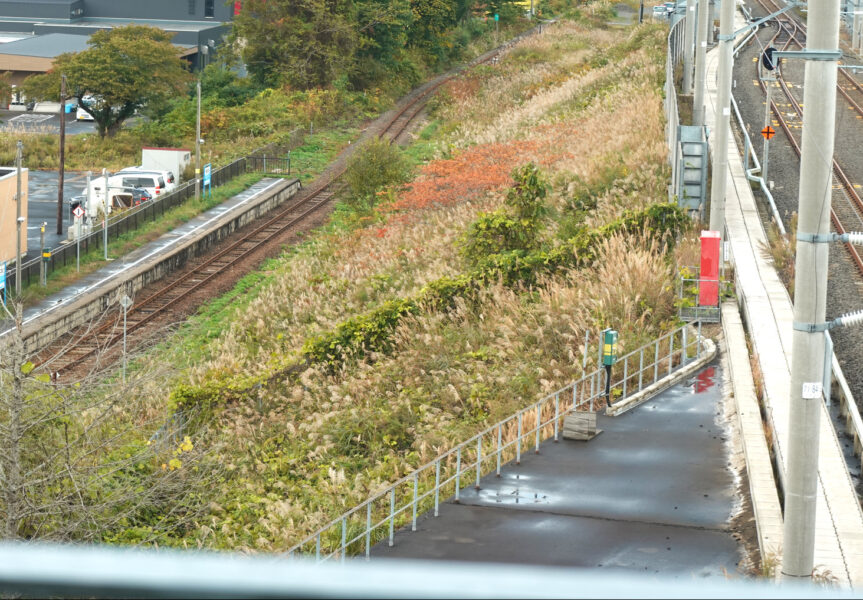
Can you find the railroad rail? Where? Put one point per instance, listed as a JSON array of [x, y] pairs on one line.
[[76, 348], [790, 26]]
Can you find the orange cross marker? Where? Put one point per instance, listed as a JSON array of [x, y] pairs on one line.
[[768, 132]]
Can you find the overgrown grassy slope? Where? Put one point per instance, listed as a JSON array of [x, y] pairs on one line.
[[430, 345]]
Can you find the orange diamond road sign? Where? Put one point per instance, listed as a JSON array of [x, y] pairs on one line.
[[768, 132]]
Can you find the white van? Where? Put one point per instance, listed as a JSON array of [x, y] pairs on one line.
[[152, 182], [168, 176]]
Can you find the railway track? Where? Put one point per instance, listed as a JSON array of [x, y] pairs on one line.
[[77, 351], [789, 35]]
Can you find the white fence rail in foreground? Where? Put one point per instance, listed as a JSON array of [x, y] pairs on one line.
[[376, 519]]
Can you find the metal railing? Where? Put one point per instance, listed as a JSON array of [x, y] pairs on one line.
[[376, 519], [672, 115]]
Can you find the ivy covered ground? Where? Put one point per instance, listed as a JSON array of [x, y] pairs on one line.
[[434, 307]]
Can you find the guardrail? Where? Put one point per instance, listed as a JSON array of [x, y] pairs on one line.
[[376, 519]]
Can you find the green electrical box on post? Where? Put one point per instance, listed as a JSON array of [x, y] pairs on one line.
[[609, 347]]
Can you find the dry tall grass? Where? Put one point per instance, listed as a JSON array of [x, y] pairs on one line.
[[298, 452]]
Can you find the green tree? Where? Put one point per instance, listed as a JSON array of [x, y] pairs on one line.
[[124, 69], [301, 43], [5, 88]]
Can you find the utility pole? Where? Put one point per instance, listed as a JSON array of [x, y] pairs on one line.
[[688, 48], [19, 219], [198, 145], [62, 154], [43, 280], [700, 58], [723, 118], [105, 211], [810, 292]]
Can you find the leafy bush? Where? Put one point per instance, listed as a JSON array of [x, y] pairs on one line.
[[373, 167], [513, 229]]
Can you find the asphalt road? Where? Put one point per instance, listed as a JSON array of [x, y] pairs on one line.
[[32, 122]]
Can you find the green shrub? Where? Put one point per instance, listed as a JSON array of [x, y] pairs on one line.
[[374, 166]]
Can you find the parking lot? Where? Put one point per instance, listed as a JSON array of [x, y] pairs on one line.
[[33, 122], [42, 207]]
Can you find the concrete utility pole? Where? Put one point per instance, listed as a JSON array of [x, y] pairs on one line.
[[19, 221], [688, 46], [810, 292], [62, 154], [723, 118], [198, 146], [700, 58]]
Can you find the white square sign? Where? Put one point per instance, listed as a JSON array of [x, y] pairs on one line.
[[812, 389]]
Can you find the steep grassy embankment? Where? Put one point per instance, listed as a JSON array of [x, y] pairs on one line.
[[374, 346]]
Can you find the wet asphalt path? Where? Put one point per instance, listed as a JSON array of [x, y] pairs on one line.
[[653, 493]]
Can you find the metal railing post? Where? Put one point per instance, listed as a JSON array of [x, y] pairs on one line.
[[538, 425], [698, 344], [574, 395], [457, 471], [318, 547], [670, 351], [499, 439], [625, 374], [656, 360], [685, 351], [556, 414], [393, 513], [518, 442], [344, 537], [368, 529], [414, 516], [478, 459], [436, 487], [641, 370]]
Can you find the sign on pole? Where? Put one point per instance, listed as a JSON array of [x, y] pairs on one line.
[[78, 212], [208, 178]]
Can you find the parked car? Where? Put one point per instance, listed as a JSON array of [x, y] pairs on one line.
[[129, 197], [80, 113], [168, 176], [660, 12], [152, 182]]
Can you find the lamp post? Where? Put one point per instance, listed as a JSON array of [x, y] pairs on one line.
[[105, 210], [198, 146]]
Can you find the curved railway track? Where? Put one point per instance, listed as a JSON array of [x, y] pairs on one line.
[[74, 351], [791, 29]]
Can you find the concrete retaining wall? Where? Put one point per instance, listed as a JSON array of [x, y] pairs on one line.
[[92, 304]]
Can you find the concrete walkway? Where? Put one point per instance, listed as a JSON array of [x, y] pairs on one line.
[[652, 494], [767, 311]]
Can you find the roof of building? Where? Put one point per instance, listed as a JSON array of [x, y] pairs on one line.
[[46, 46]]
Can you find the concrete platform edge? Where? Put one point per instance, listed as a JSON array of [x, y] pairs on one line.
[[45, 330], [762, 484]]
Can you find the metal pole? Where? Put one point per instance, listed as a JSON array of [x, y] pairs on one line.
[[700, 58], [810, 293], [42, 279], [105, 209], [62, 155], [688, 46], [19, 219], [723, 118], [768, 83], [198, 145], [125, 310]]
